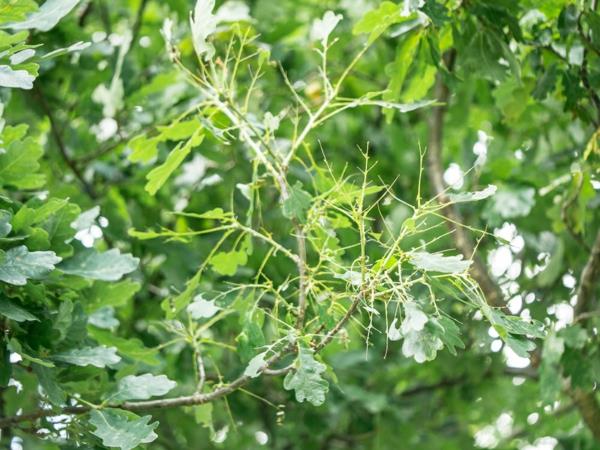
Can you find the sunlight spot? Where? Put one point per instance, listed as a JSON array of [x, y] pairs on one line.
[[106, 129], [261, 437], [500, 260], [518, 381], [98, 36], [565, 314], [481, 147], [544, 443], [569, 281], [87, 236], [514, 360], [496, 345], [514, 270], [145, 42], [573, 301], [16, 443], [116, 40], [17, 384], [515, 304], [454, 176], [194, 171]]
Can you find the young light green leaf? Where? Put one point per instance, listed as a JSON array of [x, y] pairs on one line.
[[122, 429], [255, 365], [46, 17], [202, 309], [214, 214], [436, 262], [15, 10], [322, 28], [15, 312], [142, 387], [159, 175], [227, 263], [89, 356], [306, 378], [108, 266], [18, 264], [397, 70], [20, 79], [473, 196], [178, 131], [143, 148], [375, 22], [296, 205], [203, 23]]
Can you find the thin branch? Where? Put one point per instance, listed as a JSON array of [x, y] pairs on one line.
[[135, 29], [56, 134], [185, 400], [586, 401], [587, 281]]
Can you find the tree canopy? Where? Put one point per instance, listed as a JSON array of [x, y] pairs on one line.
[[300, 224]]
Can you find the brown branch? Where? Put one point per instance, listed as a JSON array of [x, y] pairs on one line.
[[585, 401], [588, 278], [138, 21], [434, 161], [588, 407], [583, 70], [56, 134]]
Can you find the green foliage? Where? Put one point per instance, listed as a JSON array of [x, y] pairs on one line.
[[95, 356], [306, 379], [107, 266], [18, 264], [121, 429], [142, 387], [277, 224]]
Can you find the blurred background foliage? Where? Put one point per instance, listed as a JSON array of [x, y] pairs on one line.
[[518, 84]]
